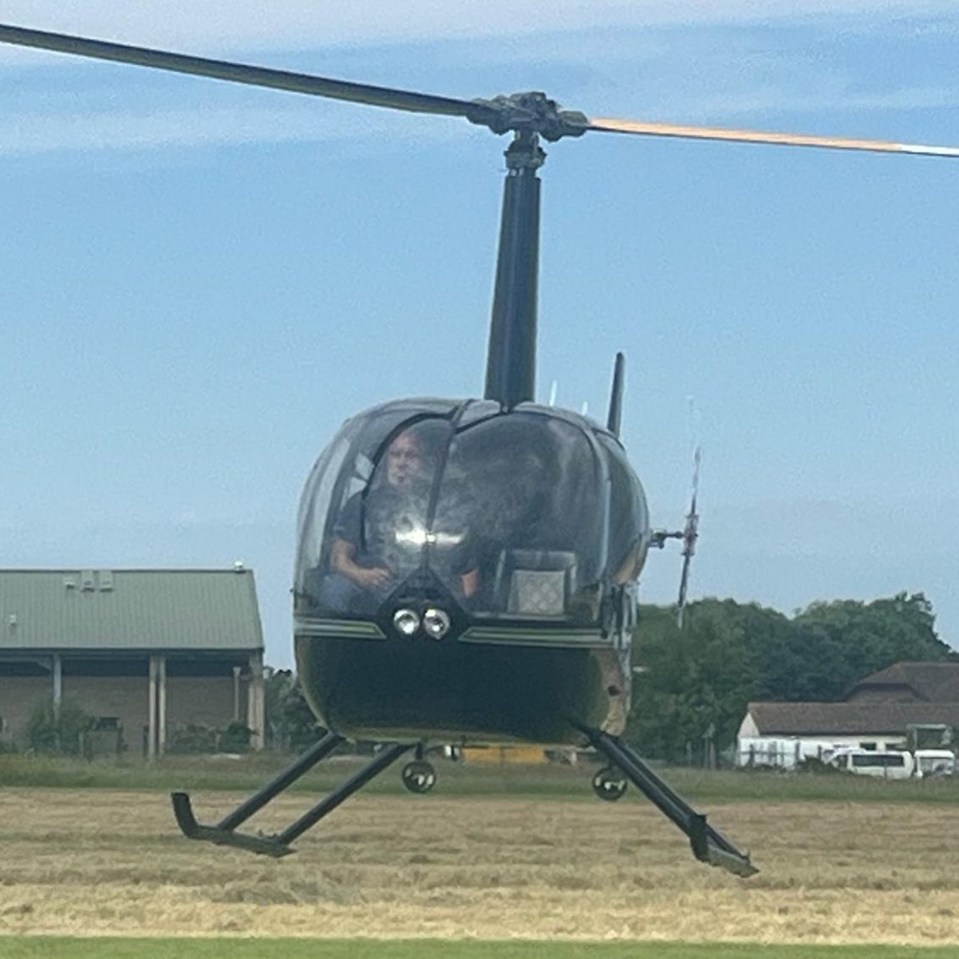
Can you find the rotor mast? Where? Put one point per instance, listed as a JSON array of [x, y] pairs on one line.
[[511, 355]]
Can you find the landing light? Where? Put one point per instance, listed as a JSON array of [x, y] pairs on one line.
[[436, 622], [406, 622]]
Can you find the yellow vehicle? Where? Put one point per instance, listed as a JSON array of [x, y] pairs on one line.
[[502, 755]]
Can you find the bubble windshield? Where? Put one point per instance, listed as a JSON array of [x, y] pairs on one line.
[[507, 514]]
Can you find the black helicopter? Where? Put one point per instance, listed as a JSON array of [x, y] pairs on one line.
[[467, 570]]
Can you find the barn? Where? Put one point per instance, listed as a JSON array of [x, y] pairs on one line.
[[147, 653]]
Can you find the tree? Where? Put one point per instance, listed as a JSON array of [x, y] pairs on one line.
[[290, 722], [52, 730], [849, 640], [703, 676], [697, 678]]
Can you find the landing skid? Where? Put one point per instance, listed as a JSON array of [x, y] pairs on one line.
[[707, 844], [278, 845]]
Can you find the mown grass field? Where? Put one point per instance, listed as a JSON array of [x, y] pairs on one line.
[[545, 863]]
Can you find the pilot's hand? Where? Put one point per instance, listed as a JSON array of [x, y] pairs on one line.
[[374, 577]]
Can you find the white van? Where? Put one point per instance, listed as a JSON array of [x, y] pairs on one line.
[[870, 762]]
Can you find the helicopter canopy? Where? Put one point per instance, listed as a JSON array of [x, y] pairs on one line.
[[525, 514]]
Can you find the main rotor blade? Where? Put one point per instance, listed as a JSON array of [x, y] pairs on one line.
[[242, 73], [531, 112], [639, 128]]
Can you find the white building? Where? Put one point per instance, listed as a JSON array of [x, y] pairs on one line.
[[876, 715]]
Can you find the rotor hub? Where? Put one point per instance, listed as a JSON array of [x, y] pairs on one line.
[[532, 112], [524, 153]]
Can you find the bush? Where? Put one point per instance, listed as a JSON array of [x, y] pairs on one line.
[[192, 739], [235, 738], [61, 731]]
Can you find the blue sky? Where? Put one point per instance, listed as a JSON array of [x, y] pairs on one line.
[[201, 282]]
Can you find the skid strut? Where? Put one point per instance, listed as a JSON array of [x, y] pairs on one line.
[[277, 845], [708, 844]]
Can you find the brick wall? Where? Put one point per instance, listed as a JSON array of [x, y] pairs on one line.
[[205, 701]]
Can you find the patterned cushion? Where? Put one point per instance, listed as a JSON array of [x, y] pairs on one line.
[[538, 592]]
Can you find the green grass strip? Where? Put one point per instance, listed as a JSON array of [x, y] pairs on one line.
[[55, 947], [203, 774]]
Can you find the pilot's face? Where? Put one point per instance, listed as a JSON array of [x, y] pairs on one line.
[[404, 460]]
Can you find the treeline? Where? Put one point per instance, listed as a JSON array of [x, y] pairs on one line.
[[696, 682]]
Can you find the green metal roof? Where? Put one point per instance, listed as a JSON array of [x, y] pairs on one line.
[[129, 609]]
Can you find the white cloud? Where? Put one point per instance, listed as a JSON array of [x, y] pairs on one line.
[[26, 134], [223, 25], [766, 100]]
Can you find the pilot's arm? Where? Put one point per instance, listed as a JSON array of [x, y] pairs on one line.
[[470, 582], [343, 561]]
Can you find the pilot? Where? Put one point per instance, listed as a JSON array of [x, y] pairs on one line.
[[378, 536]]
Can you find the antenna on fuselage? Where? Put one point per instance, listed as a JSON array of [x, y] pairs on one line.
[[614, 418], [691, 527], [689, 536]]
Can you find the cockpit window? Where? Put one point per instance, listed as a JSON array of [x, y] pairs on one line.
[[388, 522], [530, 488], [506, 513], [629, 516]]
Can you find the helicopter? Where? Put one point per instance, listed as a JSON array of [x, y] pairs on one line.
[[467, 570]]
